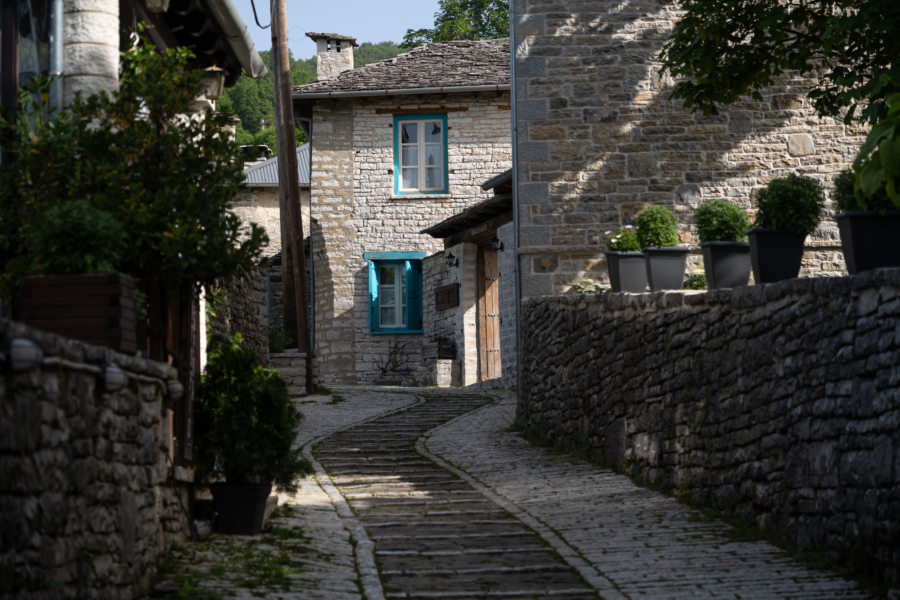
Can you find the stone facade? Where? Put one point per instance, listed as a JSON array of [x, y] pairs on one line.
[[88, 501], [598, 139], [354, 211], [90, 47], [260, 205], [777, 403]]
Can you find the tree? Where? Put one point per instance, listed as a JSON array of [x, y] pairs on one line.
[[131, 159], [463, 20], [723, 49]]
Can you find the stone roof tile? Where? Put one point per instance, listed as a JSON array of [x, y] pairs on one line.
[[434, 65]]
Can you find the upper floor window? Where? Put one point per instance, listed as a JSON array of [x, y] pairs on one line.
[[420, 154]]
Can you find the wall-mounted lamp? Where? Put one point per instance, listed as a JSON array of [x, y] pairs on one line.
[[497, 245], [23, 354], [452, 261], [214, 82], [114, 378], [157, 6], [176, 390]]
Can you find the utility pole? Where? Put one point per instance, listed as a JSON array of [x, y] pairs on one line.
[[293, 256]]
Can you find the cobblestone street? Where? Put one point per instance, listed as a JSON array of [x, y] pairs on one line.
[[428, 494]]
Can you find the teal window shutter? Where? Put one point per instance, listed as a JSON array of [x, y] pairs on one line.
[[373, 295], [414, 294]]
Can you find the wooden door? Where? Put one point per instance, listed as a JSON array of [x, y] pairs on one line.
[[488, 313]]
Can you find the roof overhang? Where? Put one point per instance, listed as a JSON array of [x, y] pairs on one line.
[[466, 89], [494, 209]]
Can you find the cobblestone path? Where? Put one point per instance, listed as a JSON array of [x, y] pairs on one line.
[[433, 534]]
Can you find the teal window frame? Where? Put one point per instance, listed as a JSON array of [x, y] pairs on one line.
[[412, 264], [398, 174]]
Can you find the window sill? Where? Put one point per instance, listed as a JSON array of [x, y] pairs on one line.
[[431, 196], [396, 331]]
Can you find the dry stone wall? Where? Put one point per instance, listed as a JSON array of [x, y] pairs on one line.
[[241, 308], [778, 404], [87, 501], [355, 211], [598, 139]]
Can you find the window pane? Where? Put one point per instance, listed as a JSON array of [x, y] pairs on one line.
[[388, 317], [387, 295], [410, 179], [410, 133], [433, 155], [433, 131], [409, 156], [386, 276], [433, 178]]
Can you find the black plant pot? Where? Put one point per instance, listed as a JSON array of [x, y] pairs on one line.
[[665, 267], [627, 272], [869, 240], [775, 255], [727, 264], [239, 507]]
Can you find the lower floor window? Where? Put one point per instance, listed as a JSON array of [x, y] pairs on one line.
[[395, 291]]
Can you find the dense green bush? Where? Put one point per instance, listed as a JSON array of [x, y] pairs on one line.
[[721, 221], [132, 158], [246, 424], [793, 204], [845, 195], [656, 227], [624, 240]]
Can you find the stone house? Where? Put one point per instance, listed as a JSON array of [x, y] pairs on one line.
[[474, 292], [396, 146], [598, 139]]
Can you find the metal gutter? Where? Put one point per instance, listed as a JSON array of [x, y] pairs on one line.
[[493, 87], [238, 36]]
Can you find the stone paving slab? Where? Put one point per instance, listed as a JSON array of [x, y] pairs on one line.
[[645, 545]]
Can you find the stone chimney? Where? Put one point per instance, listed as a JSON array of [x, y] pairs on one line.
[[334, 54]]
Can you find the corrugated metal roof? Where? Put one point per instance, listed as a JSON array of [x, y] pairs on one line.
[[265, 174]]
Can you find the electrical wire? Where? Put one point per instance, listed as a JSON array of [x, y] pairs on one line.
[[256, 18]]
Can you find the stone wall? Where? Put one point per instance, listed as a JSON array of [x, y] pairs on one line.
[[508, 316], [90, 48], [87, 500], [355, 212], [778, 403], [241, 307], [260, 205], [598, 139]]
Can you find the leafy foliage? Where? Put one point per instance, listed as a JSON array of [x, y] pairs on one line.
[[656, 227], [793, 204], [246, 423], [845, 195], [878, 162], [136, 160], [723, 49], [695, 281], [625, 240], [721, 221], [463, 20]]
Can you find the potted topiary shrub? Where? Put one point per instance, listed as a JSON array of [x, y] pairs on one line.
[[246, 426], [625, 261], [788, 209], [726, 256], [869, 226], [664, 259]]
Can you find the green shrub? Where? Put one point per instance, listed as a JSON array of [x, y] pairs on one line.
[[624, 240], [721, 221], [695, 281], [74, 237], [656, 227], [246, 424], [793, 204], [845, 195]]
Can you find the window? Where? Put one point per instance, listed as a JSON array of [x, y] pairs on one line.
[[420, 154], [395, 291]]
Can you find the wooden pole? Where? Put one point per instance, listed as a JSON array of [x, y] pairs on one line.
[[289, 180]]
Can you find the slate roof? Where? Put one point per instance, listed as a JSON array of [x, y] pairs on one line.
[[498, 204], [332, 36], [265, 174], [435, 67]]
